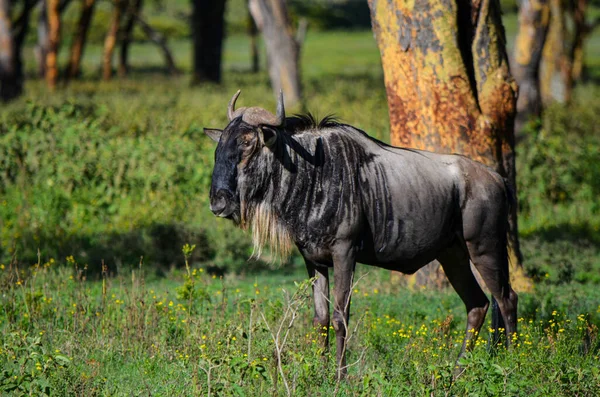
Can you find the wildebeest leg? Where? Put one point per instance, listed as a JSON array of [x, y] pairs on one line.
[[491, 260], [321, 300], [455, 262], [343, 274]]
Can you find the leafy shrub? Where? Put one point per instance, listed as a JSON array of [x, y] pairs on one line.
[[324, 15], [558, 163], [75, 183], [561, 261], [558, 181], [27, 365]]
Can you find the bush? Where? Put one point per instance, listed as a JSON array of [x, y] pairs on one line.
[[558, 163], [75, 183], [559, 184]]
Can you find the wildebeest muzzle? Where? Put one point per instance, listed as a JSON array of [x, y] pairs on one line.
[[222, 203]]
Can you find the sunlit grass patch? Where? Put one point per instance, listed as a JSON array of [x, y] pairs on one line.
[[136, 329]]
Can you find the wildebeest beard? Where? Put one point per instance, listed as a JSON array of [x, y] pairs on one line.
[[260, 191]]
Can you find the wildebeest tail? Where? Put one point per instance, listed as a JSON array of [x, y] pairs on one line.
[[497, 326], [511, 196]]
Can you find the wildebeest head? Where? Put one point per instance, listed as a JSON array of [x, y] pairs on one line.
[[249, 130]]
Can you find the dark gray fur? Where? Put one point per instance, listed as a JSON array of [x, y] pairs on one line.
[[345, 197]]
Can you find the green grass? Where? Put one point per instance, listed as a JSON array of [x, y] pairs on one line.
[[137, 334]]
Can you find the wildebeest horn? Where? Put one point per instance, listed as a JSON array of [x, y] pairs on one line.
[[231, 108], [257, 116], [280, 111]]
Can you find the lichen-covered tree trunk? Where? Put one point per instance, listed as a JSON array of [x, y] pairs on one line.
[[111, 39], [534, 18], [53, 15], [80, 38], [208, 28], [283, 50], [448, 84]]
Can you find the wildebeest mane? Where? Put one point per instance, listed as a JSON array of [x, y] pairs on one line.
[[302, 122], [284, 174], [257, 199]]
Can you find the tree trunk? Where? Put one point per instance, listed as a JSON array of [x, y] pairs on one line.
[[534, 17], [253, 33], [9, 84], [581, 32], [283, 50], [552, 79], [111, 39], [562, 58], [575, 52], [449, 86], [12, 37], [53, 13], [160, 41], [132, 11], [208, 25], [79, 40], [43, 33], [21, 25], [43, 44]]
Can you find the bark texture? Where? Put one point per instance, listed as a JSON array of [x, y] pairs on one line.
[[534, 19], [208, 25], [283, 49], [53, 17], [111, 39], [448, 84], [79, 40]]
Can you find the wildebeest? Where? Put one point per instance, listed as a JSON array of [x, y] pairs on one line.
[[343, 197]]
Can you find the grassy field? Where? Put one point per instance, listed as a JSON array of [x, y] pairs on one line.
[[193, 333], [103, 183]]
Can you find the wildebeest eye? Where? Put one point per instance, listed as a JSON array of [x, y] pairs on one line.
[[245, 142]]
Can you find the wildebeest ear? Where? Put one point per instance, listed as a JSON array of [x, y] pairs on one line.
[[213, 133], [268, 136]]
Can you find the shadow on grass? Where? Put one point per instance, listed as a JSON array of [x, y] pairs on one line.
[[159, 246], [563, 253], [582, 233]]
